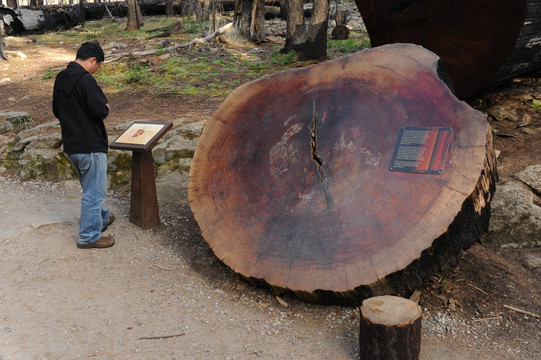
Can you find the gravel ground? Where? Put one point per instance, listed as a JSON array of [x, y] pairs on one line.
[[161, 294]]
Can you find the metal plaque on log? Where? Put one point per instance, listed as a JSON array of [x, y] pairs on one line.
[[421, 149]]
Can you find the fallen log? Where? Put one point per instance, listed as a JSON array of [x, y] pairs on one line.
[[293, 181], [50, 18], [59, 17], [221, 31], [482, 44]]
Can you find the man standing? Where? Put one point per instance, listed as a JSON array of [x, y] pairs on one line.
[[81, 106]]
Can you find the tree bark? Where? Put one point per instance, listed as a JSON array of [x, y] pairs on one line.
[[12, 4], [295, 28], [169, 9], [82, 12], [249, 21], [340, 31], [135, 17], [291, 182], [309, 40], [2, 52], [480, 46], [390, 329]]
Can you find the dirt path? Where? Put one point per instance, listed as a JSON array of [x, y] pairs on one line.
[[60, 302]]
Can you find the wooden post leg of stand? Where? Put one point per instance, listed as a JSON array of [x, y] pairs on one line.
[[144, 202]]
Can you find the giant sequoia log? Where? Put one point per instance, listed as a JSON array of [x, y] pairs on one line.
[[291, 181], [482, 44]]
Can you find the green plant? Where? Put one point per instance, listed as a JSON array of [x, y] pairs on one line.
[[138, 74], [50, 73], [191, 25], [24, 123], [160, 50], [348, 46], [283, 59]]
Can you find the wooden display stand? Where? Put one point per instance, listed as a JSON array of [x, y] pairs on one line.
[[140, 138]]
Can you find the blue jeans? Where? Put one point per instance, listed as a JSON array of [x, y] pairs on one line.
[[91, 170]]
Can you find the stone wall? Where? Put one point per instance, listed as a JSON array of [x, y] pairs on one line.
[[36, 154]]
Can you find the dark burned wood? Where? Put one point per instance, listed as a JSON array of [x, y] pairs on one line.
[[390, 328], [340, 32], [291, 186], [473, 38], [525, 58]]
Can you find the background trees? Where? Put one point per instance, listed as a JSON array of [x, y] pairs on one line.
[[135, 17], [308, 37], [305, 34]]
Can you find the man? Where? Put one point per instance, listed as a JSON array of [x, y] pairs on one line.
[[81, 106]]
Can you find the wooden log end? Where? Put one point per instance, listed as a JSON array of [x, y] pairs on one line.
[[390, 325]]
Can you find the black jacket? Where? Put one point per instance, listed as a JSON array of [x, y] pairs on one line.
[[80, 105]]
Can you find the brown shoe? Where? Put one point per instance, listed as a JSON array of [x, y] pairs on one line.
[[111, 220], [103, 242]]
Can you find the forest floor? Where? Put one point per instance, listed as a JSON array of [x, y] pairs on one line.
[[161, 293]]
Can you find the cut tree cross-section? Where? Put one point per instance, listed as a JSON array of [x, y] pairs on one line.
[[291, 182]]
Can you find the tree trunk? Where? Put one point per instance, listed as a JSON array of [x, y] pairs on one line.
[[169, 9], [310, 41], [390, 329], [135, 18], [295, 28], [482, 44], [525, 58], [46, 19], [140, 20], [82, 12], [2, 52], [12, 4], [249, 21], [340, 31], [292, 186]]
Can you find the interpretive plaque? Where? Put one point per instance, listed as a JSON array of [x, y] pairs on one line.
[[421, 149], [141, 135], [140, 138]]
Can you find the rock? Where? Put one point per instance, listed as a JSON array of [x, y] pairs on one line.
[[3, 141], [53, 141], [175, 147], [531, 262], [500, 112], [531, 176], [46, 164], [173, 188], [31, 155], [178, 143], [37, 130], [516, 219], [13, 120]]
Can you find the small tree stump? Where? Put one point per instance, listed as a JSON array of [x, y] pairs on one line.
[[390, 329]]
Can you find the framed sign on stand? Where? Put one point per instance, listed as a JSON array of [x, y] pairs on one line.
[[140, 138]]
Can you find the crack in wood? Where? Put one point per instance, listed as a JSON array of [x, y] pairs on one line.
[[313, 151]]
